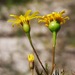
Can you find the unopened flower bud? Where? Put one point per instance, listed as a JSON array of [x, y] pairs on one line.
[[54, 26], [26, 27]]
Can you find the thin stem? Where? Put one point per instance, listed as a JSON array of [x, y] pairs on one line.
[[54, 38], [53, 52], [31, 66], [32, 70], [53, 60], [36, 53]]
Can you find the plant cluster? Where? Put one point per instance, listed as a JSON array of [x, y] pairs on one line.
[[53, 21]]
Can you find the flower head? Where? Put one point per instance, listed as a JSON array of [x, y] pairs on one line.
[[31, 58], [54, 16], [20, 20]]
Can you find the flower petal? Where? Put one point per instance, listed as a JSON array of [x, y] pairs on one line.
[[34, 15], [10, 21], [27, 13], [63, 11], [14, 16]]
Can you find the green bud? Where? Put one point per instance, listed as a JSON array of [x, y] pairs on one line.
[[54, 26], [26, 28]]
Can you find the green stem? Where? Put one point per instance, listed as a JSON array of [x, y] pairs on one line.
[[53, 52], [28, 34], [54, 38]]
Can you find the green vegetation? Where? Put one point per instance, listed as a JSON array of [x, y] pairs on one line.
[[13, 2]]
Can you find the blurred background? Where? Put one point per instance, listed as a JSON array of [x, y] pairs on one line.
[[14, 45]]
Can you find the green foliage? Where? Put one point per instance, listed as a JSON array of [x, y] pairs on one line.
[[11, 2]]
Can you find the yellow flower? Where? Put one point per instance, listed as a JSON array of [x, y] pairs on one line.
[[31, 58], [20, 20], [54, 16]]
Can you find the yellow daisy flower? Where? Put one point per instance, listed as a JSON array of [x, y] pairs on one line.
[[31, 58], [20, 20], [54, 16]]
